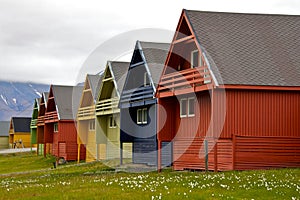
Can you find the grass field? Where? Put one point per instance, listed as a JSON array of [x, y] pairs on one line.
[[27, 176]]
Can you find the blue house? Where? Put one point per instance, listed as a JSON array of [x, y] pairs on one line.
[[138, 105]]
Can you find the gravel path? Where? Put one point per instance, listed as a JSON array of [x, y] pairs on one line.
[[7, 151]]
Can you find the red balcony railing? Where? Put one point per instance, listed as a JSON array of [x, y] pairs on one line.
[[189, 78]]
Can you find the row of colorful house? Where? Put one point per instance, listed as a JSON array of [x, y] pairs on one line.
[[223, 95]]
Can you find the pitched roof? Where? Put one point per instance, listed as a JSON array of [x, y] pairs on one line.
[[95, 81], [21, 124], [155, 55], [4, 128], [67, 100], [46, 96], [119, 71], [250, 49]]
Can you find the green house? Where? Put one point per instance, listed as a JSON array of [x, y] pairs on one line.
[[108, 113], [33, 123]]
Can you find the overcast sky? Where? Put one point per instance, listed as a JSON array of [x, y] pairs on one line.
[[52, 41]]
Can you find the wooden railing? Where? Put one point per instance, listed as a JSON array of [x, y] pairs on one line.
[[107, 106], [84, 112], [137, 94], [41, 120], [51, 116], [33, 123], [189, 78]]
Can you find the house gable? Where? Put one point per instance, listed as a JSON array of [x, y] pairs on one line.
[[87, 98], [140, 85]]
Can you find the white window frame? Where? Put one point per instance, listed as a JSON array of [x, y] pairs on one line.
[[55, 127], [112, 122], [146, 78], [192, 58], [143, 120], [188, 107], [92, 125], [181, 106]]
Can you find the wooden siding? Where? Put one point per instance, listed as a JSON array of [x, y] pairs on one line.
[[4, 142], [190, 154], [33, 136], [67, 134], [91, 154], [145, 151], [266, 152], [262, 113], [113, 139], [25, 137]]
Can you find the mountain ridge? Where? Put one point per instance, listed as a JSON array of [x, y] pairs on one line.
[[17, 98]]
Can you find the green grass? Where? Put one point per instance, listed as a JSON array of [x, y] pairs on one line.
[[20, 162], [97, 181]]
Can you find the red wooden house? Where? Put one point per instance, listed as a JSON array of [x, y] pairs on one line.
[[60, 129], [229, 94]]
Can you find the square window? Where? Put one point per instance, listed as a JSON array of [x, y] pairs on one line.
[[191, 107], [183, 107], [55, 127]]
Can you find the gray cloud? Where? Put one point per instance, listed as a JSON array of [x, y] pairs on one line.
[[50, 41]]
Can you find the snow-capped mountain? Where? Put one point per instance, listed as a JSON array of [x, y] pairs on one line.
[[17, 98]]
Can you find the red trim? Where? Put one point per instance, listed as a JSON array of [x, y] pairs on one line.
[[259, 87]]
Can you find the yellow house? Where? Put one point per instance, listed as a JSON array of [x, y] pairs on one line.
[[19, 132], [86, 118]]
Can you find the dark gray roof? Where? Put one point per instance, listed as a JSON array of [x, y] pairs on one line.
[[155, 55], [21, 124], [67, 100], [250, 49], [119, 71], [4, 128], [95, 81]]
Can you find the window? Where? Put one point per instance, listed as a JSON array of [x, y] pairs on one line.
[[183, 110], [194, 59], [112, 122], [146, 79], [187, 107], [142, 116], [92, 125], [55, 127], [191, 107]]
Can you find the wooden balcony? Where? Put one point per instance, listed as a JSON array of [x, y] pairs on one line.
[[33, 123], [137, 96], [185, 81], [41, 121], [107, 106], [51, 116], [86, 113]]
